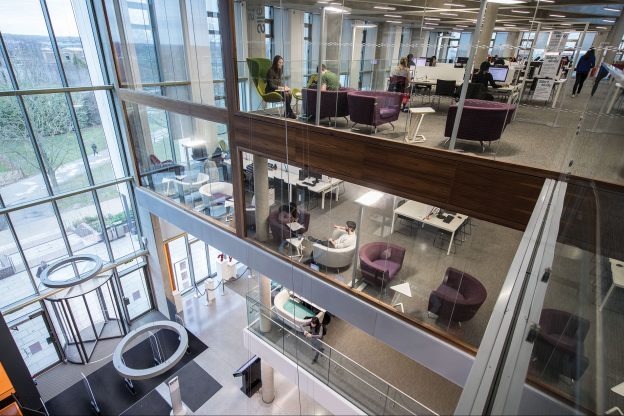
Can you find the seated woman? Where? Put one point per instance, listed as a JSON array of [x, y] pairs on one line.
[[484, 77], [274, 77], [401, 70]]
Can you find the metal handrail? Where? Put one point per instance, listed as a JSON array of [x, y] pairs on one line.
[[343, 367]]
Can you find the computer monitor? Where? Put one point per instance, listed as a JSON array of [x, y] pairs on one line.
[[316, 175], [303, 174], [421, 61], [462, 60], [499, 73]]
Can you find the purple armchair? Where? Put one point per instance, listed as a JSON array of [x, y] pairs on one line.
[[333, 103], [559, 344], [482, 121], [458, 298], [374, 108], [281, 231], [380, 262]]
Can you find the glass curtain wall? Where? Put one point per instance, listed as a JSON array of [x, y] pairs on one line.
[[191, 261], [64, 183]]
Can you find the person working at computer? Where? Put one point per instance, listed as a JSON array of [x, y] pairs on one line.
[[274, 77], [583, 67], [347, 239], [484, 77], [329, 80]]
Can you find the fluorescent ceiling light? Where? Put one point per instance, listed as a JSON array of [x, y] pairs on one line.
[[601, 27], [556, 15], [396, 16], [384, 8], [611, 9], [608, 20], [369, 198], [434, 24], [432, 18], [565, 24], [335, 9], [398, 22], [366, 26], [507, 1], [458, 29], [454, 5], [428, 28], [461, 26], [521, 11], [509, 25], [448, 14], [546, 1]]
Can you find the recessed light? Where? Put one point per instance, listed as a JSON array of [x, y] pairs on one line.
[[384, 8], [608, 20], [428, 28], [366, 26], [448, 14], [461, 26], [610, 9], [398, 22], [521, 11], [507, 1], [396, 16], [434, 24], [509, 25], [432, 18], [454, 5], [565, 24], [556, 15], [336, 9]]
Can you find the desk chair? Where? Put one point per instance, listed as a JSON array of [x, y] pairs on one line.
[[445, 88], [475, 90], [258, 68]]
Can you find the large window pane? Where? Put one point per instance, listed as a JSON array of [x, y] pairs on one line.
[[134, 286], [120, 219], [33, 338], [98, 135], [57, 141], [15, 284], [21, 179], [82, 225], [40, 237], [179, 261], [5, 81], [69, 43], [30, 50], [200, 262]]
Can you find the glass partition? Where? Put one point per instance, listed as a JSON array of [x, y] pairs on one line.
[[425, 262], [184, 158]]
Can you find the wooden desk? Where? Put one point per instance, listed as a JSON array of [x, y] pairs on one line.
[[11, 410], [6, 387]]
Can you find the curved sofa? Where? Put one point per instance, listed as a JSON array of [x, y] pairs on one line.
[[481, 120], [333, 103], [291, 312], [335, 258], [374, 108]]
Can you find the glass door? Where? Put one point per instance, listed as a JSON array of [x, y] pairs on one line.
[[136, 293]]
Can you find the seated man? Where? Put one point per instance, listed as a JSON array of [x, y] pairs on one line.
[[329, 80], [346, 239]]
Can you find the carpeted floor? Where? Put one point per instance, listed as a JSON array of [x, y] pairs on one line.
[[110, 392]]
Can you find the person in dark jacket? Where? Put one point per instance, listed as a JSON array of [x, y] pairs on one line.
[[313, 330], [602, 73], [274, 77], [484, 77], [583, 67]]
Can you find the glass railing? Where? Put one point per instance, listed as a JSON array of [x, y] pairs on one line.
[[334, 369]]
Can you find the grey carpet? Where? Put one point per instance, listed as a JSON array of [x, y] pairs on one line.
[[196, 385], [150, 405]]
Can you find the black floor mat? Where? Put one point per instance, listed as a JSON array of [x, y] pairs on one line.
[[108, 387], [150, 405], [196, 385]]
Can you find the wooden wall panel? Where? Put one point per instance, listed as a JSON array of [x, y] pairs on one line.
[[498, 192]]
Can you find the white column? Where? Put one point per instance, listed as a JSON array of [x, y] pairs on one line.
[[614, 38], [264, 285], [268, 385], [356, 53], [295, 18], [261, 191], [485, 33]]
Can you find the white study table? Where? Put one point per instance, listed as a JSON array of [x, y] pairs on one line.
[[422, 213], [404, 289]]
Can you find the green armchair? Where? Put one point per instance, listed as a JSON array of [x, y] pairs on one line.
[[258, 68]]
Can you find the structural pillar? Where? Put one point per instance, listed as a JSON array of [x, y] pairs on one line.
[[614, 39], [261, 192], [268, 386], [485, 33]]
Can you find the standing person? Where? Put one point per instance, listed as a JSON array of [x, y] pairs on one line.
[[602, 73], [94, 148], [433, 61], [410, 60], [583, 67], [314, 333], [274, 77]]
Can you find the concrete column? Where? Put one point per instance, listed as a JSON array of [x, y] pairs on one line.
[[419, 41], [264, 285], [356, 53], [261, 191], [383, 54], [332, 40], [513, 38], [485, 33], [268, 386], [295, 33], [614, 38]]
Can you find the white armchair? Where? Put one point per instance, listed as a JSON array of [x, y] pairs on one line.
[[333, 257]]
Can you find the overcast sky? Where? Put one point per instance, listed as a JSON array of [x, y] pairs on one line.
[[24, 17]]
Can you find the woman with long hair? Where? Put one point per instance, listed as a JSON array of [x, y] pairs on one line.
[[274, 78], [583, 67]]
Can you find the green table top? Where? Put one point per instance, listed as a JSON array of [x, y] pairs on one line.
[[297, 309]]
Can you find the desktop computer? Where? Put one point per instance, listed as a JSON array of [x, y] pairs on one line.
[[422, 61], [499, 73]]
